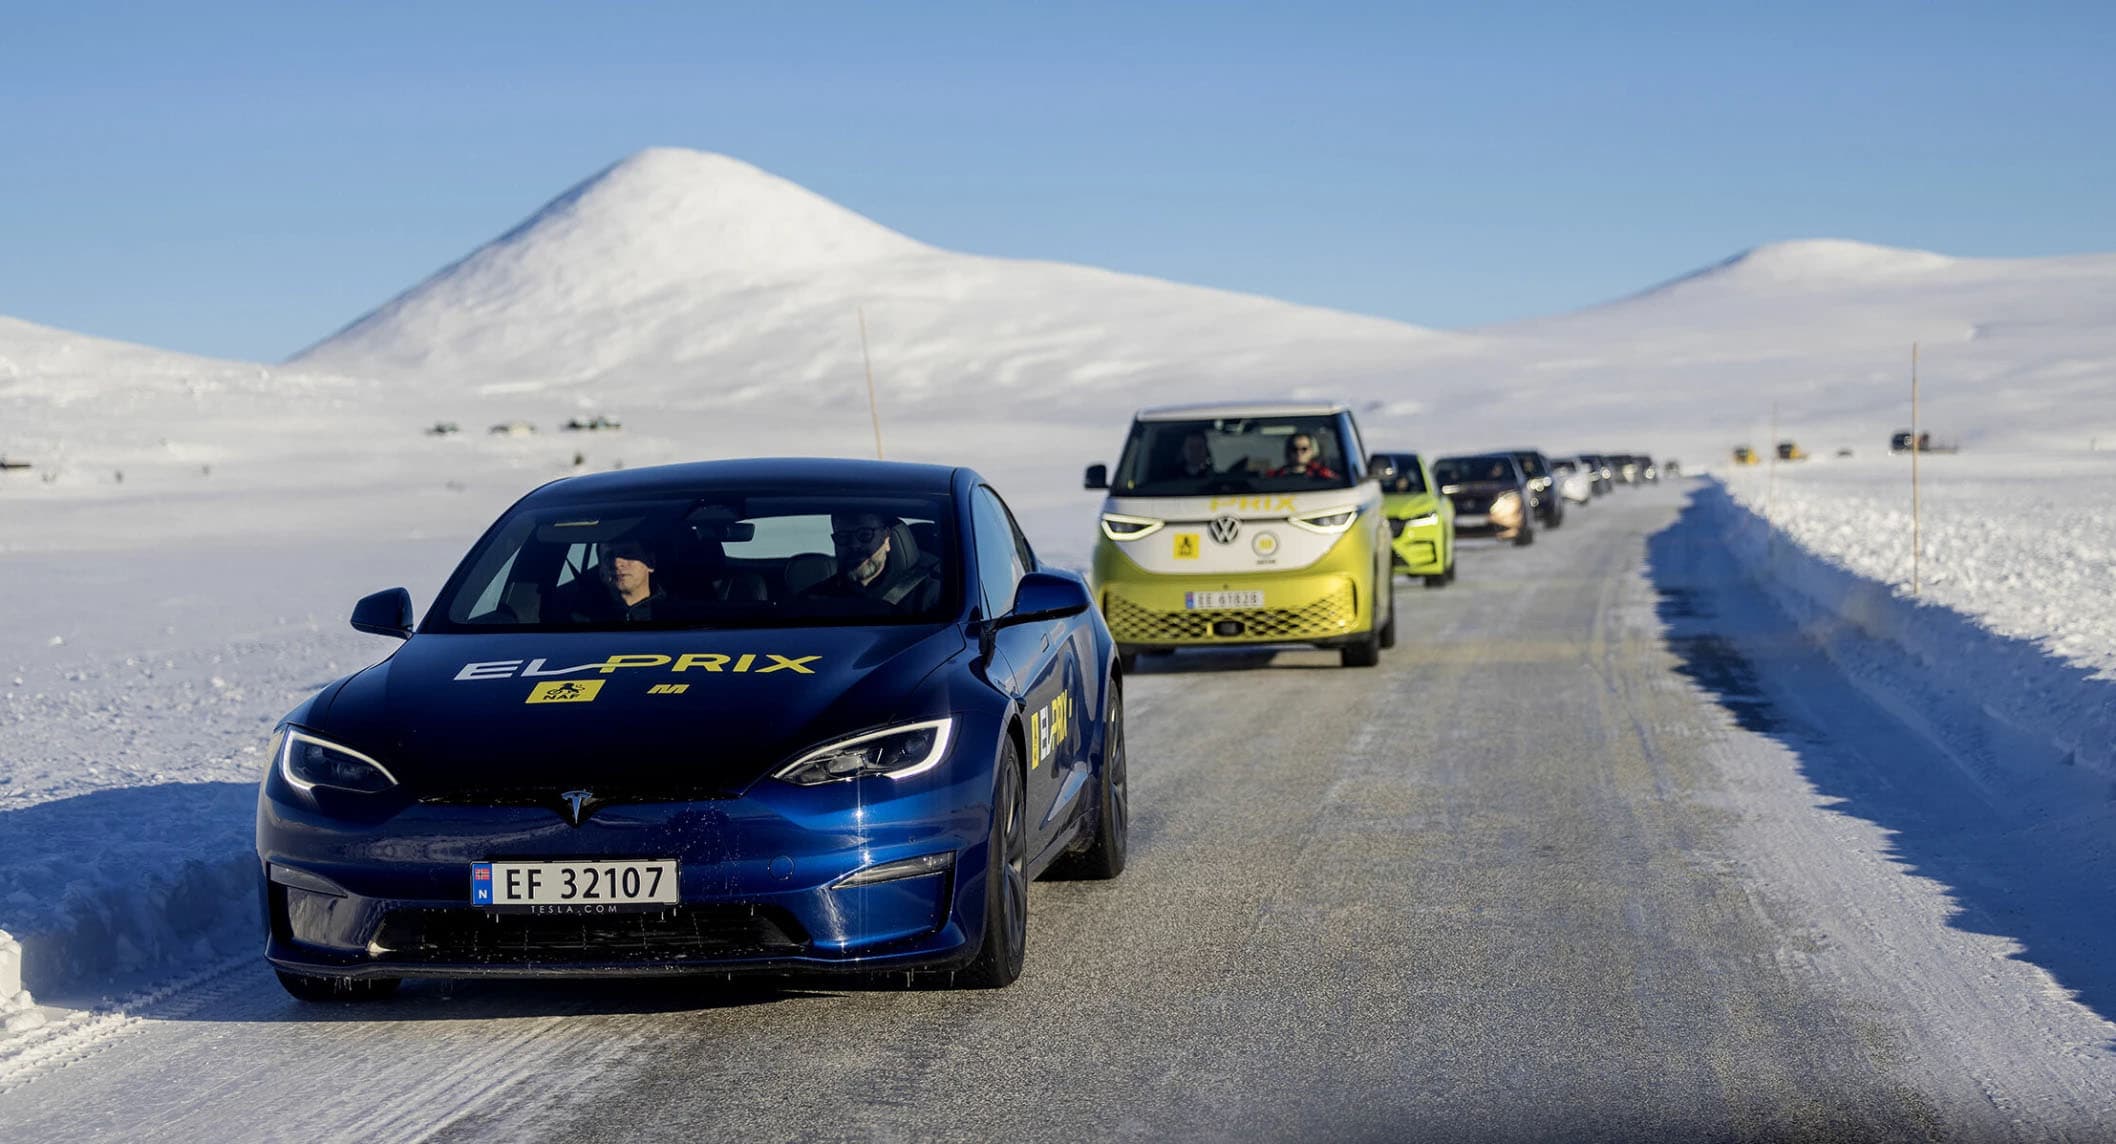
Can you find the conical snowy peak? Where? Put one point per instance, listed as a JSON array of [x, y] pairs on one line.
[[663, 221], [685, 211]]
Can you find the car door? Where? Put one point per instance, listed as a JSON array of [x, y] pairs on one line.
[[1041, 669]]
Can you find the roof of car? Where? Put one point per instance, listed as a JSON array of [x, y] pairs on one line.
[[793, 474], [1218, 410]]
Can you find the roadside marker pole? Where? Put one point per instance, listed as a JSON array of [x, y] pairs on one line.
[[1770, 482], [874, 410], [1916, 447]]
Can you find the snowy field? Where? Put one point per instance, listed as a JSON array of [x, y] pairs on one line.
[[192, 533]]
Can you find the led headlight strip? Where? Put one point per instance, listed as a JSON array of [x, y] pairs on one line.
[[1117, 526]]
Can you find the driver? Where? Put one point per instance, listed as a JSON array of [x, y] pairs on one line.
[[1303, 459]]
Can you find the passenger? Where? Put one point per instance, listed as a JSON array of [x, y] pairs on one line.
[[879, 562], [1303, 459]]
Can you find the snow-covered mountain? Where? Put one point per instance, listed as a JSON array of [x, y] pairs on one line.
[[688, 280]]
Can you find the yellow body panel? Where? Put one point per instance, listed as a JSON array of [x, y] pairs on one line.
[[1330, 599]]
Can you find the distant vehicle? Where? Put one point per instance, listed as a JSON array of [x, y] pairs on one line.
[[1672, 467], [1647, 470], [1598, 468], [1491, 496], [1900, 443], [1421, 521], [1543, 498], [1791, 451], [443, 429], [1249, 523], [760, 766], [1575, 481], [5, 463], [593, 424], [1743, 455], [1626, 469], [1844, 451], [512, 429]]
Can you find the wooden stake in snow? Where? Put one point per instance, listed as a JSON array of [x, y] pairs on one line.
[[874, 410], [1916, 447]]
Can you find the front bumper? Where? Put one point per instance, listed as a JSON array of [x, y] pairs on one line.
[[756, 878], [1421, 550]]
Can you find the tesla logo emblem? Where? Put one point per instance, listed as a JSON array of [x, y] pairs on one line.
[[1226, 528], [577, 802]]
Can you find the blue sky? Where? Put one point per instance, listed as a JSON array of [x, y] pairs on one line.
[[242, 179]]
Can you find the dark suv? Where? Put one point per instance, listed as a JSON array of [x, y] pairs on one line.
[[1543, 499], [1490, 495]]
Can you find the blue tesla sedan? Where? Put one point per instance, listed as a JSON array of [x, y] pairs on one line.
[[736, 716]]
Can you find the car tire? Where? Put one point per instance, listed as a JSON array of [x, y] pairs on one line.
[[1387, 638], [1127, 661], [1525, 537], [1103, 856], [1005, 943], [1365, 653], [1439, 579], [318, 988]]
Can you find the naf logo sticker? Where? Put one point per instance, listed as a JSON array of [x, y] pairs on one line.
[[1186, 545], [566, 691], [1048, 729]]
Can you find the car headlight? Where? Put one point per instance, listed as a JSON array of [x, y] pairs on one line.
[[898, 752], [1329, 521], [1117, 526], [1425, 521], [307, 762]]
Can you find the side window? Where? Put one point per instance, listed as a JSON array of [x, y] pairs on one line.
[[1021, 542], [999, 562]]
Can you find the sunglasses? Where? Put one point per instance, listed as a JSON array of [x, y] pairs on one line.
[[858, 535]]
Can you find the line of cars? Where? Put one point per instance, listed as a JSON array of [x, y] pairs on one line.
[[1264, 523], [808, 716]]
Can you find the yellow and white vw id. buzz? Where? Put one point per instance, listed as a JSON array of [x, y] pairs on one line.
[[1244, 524]]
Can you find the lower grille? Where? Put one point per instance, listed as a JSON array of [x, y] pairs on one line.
[[677, 933], [1329, 616]]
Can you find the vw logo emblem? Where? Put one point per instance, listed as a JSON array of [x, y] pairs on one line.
[[1226, 528]]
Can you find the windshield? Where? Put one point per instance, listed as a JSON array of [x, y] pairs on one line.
[[1232, 455], [1465, 470], [708, 560], [1400, 473]]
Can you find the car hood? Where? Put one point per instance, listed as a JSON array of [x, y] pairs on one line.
[[675, 713], [1410, 504]]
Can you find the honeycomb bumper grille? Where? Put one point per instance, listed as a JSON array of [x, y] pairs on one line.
[[460, 936], [1331, 615]]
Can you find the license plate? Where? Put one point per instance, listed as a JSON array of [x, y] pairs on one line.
[[1217, 601], [1471, 520], [574, 887]]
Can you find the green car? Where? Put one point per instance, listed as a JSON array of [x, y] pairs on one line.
[[1421, 521]]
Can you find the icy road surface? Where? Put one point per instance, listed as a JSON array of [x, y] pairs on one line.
[[1600, 851]]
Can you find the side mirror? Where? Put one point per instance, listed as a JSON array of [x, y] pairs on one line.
[[1046, 596], [384, 614], [1097, 477]]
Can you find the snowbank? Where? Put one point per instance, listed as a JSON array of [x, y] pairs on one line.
[[2042, 696]]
